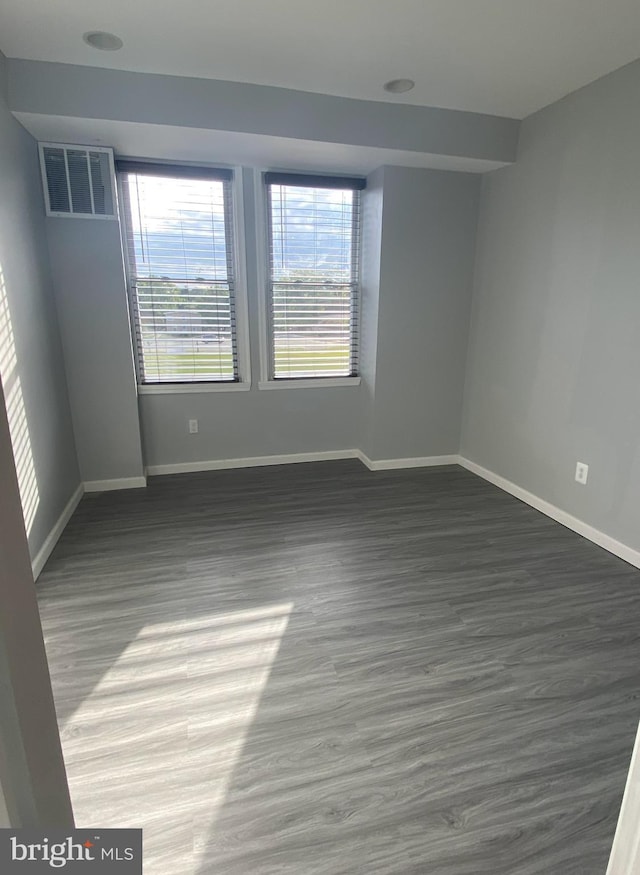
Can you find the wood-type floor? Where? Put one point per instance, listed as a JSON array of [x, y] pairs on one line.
[[320, 670]]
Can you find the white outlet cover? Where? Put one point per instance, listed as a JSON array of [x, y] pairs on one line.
[[193, 426], [582, 472]]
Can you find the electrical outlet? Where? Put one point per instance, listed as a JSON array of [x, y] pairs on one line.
[[582, 472], [193, 426]]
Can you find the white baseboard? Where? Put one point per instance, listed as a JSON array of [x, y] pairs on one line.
[[560, 516], [251, 462], [417, 462], [110, 485], [52, 538], [293, 458]]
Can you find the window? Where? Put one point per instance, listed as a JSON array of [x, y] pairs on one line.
[[313, 294], [179, 241]]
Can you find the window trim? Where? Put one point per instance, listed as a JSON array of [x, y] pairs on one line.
[[262, 273], [261, 178], [196, 388], [191, 171], [309, 383]]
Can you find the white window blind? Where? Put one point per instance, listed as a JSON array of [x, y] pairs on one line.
[[179, 242], [314, 233]]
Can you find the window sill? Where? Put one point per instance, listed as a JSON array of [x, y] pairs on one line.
[[191, 388], [313, 383]]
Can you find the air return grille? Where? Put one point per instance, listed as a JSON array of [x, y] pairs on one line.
[[78, 181]]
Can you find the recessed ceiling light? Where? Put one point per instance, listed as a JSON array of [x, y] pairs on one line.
[[399, 86], [100, 39]]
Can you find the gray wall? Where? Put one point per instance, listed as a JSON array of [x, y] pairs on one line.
[[88, 275], [426, 273], [255, 423], [372, 213], [554, 356], [32, 364], [91, 92]]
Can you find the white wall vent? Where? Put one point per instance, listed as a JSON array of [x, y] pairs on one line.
[[78, 181]]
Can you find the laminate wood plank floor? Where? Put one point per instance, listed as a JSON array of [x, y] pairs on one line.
[[320, 670]]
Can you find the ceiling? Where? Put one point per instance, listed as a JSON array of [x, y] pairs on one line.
[[503, 57]]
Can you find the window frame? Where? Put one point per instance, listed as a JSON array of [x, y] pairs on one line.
[[263, 249], [236, 205]]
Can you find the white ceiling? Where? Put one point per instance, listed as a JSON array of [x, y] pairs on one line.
[[504, 57]]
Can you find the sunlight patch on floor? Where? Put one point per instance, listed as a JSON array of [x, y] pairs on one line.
[[167, 720]]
